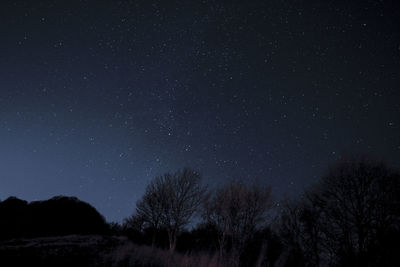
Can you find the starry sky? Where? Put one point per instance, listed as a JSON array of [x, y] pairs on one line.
[[99, 97]]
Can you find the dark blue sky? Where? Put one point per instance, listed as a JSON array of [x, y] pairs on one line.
[[98, 98]]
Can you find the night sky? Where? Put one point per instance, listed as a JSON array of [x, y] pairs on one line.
[[99, 97]]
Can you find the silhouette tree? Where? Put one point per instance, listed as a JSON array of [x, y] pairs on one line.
[[301, 233], [349, 217], [134, 222], [170, 201], [150, 208], [237, 211]]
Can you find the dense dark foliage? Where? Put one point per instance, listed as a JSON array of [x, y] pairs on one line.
[[57, 216]]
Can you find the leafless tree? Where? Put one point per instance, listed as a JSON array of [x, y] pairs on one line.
[[354, 200], [345, 220], [171, 201], [133, 222], [237, 211], [301, 231], [150, 207]]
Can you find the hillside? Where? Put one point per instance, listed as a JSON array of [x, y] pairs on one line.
[[57, 216]]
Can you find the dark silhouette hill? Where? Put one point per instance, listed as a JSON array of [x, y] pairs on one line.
[[57, 216]]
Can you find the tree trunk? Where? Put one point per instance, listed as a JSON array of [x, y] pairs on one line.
[[172, 240], [261, 256], [153, 240], [221, 244]]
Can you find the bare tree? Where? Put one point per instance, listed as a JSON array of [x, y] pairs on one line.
[[345, 220], [301, 231], [133, 222], [354, 200], [150, 207], [237, 211], [170, 201]]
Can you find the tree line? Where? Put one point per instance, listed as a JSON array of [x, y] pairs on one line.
[[351, 217]]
